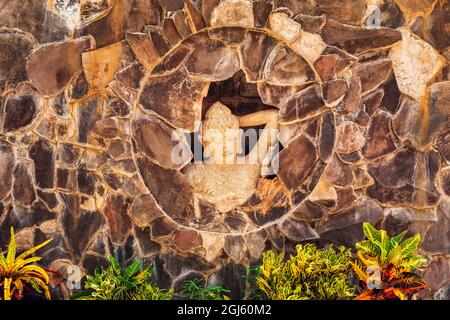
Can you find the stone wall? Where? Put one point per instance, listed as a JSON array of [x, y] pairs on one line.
[[91, 91]]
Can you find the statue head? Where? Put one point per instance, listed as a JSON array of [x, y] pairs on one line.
[[221, 135]]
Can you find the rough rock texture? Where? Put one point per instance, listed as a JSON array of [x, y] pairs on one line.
[[99, 98]]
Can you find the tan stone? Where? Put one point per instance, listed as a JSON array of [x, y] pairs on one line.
[[284, 27], [324, 193], [100, 66], [233, 13], [415, 64], [349, 138], [309, 45], [213, 244]]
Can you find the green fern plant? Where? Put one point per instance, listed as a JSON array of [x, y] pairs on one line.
[[112, 283], [395, 261], [195, 290], [311, 274]]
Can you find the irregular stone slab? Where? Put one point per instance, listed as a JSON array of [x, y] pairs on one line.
[[357, 41], [174, 59], [256, 243], [115, 212], [284, 67], [444, 181], [21, 108], [207, 9], [148, 247], [79, 87], [327, 136], [231, 36], [312, 24], [304, 104], [170, 32], [155, 138], [233, 13], [176, 97], [170, 189], [232, 277], [400, 219], [181, 22], [346, 228], [349, 138], [396, 170], [285, 27], [100, 66], [415, 63], [195, 17], [261, 12], [112, 128], [213, 244], [122, 17], [297, 161], [6, 169], [235, 247], [87, 113], [297, 231], [379, 138], [338, 173], [213, 61], [51, 67], [143, 48], [132, 75], [438, 272], [324, 194], [436, 240], [439, 29], [254, 52], [334, 91], [41, 152], [186, 240], [371, 102], [33, 17], [274, 95], [308, 211], [15, 47], [416, 7], [373, 74], [309, 45], [23, 189], [162, 229]]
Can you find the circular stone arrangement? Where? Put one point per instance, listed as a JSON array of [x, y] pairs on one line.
[[171, 97]]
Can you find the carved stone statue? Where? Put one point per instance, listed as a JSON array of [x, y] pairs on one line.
[[225, 178]]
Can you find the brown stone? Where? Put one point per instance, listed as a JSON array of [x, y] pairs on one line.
[[207, 9], [254, 52], [274, 95], [284, 67], [338, 173], [170, 32], [170, 189], [195, 17], [122, 17], [23, 189], [15, 46], [261, 12], [115, 212], [349, 138], [304, 104], [308, 211], [162, 228], [297, 161], [51, 67], [235, 247], [100, 66], [175, 97], [297, 231], [233, 13], [379, 139], [181, 22], [436, 240], [187, 240], [212, 61], [373, 74], [41, 152], [143, 48], [21, 108], [327, 136], [132, 75], [143, 210], [213, 244], [88, 111], [334, 91], [357, 41]]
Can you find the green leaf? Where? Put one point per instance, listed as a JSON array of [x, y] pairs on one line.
[[394, 241], [132, 269], [371, 233], [11, 255], [409, 246], [115, 265]]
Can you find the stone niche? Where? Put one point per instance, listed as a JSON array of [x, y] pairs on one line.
[[95, 97]]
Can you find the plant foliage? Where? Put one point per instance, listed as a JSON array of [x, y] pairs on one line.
[[18, 272], [112, 283], [194, 290], [311, 274], [387, 266]]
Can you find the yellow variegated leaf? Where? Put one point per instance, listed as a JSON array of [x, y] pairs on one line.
[[34, 249], [359, 272], [21, 262], [7, 288], [11, 255], [36, 270], [41, 283]]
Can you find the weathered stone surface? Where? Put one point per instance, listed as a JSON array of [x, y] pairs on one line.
[[170, 32], [285, 27], [437, 238], [373, 74], [230, 277], [170, 189], [439, 30], [338, 173], [416, 7], [166, 94], [261, 12], [21, 108], [324, 194], [213, 244], [297, 161], [88, 112], [143, 211], [379, 138], [415, 63], [233, 13], [297, 231], [327, 136], [213, 61], [284, 67], [405, 219], [186, 240], [122, 17], [304, 104], [345, 228], [235, 247], [334, 91], [51, 67], [33, 17], [253, 53], [349, 138], [100, 66], [256, 243], [14, 49], [23, 190], [437, 274], [42, 154], [356, 40]]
